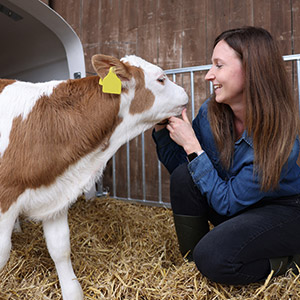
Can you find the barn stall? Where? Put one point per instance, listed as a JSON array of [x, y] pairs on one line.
[[121, 250]]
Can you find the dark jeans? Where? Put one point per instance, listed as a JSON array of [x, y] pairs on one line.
[[238, 248]]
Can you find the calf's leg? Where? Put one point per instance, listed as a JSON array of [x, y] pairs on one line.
[[7, 222], [57, 236]]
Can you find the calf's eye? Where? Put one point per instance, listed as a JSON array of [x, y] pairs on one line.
[[161, 79]]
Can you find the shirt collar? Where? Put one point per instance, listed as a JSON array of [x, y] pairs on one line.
[[245, 138]]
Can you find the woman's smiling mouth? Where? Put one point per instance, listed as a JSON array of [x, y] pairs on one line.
[[217, 86]]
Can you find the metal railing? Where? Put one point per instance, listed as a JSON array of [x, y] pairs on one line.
[[159, 202]]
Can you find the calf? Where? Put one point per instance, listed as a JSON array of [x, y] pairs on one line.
[[56, 138]]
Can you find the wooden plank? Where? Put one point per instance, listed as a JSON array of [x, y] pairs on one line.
[[147, 31], [70, 10], [217, 22], [295, 12], [281, 14], [240, 13], [90, 31], [275, 16], [194, 33], [296, 26], [109, 27], [128, 24], [169, 20], [262, 14]]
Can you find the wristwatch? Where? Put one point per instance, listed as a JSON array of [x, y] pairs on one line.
[[192, 156]]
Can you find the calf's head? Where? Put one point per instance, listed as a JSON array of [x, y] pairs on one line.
[[147, 93]]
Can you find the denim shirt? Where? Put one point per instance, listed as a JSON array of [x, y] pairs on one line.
[[227, 191]]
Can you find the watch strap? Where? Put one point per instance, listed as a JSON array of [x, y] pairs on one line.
[[192, 156]]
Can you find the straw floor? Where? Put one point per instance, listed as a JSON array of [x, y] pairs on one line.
[[121, 251]]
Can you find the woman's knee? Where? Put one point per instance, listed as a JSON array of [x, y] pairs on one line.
[[216, 258], [210, 262]]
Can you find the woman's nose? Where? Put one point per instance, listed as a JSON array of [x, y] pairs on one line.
[[209, 75]]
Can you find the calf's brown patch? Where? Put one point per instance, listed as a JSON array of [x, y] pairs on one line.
[[73, 121], [143, 98], [5, 82]]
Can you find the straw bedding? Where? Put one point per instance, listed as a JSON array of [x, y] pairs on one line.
[[122, 251]]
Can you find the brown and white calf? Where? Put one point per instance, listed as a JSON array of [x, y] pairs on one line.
[[56, 138]]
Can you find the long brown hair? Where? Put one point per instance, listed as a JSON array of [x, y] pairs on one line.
[[272, 114]]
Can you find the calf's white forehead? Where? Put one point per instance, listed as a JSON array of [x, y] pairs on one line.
[[138, 62]]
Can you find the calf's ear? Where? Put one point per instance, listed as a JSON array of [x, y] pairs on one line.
[[102, 63]]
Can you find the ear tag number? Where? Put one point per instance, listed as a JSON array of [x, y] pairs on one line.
[[111, 83]]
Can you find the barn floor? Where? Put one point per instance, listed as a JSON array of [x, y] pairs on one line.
[[121, 251]]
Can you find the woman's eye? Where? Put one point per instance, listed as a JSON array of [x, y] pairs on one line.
[[218, 66]]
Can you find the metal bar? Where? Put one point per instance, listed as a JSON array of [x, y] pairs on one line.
[[298, 78], [128, 170], [192, 94], [291, 57], [143, 167], [188, 69], [211, 87], [148, 202], [114, 176], [159, 182]]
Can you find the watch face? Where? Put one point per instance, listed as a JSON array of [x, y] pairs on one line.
[[192, 156]]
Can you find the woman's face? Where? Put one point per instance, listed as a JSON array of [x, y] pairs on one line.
[[227, 75]]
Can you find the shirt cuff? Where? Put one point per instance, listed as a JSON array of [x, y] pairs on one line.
[[200, 167]]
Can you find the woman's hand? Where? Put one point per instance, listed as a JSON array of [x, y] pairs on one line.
[[182, 133]]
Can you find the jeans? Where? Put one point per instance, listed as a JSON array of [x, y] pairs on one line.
[[237, 250]]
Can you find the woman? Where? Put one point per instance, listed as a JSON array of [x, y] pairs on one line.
[[236, 165]]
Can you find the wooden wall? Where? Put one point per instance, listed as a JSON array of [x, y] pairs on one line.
[[172, 34]]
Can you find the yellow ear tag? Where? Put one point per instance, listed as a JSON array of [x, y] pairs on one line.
[[111, 83]]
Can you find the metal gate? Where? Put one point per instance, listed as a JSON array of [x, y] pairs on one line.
[[186, 78]]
